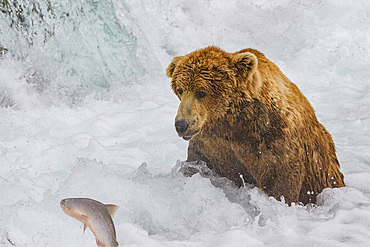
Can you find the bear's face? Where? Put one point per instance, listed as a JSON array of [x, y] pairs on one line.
[[206, 82]]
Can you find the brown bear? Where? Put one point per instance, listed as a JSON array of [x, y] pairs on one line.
[[249, 122]]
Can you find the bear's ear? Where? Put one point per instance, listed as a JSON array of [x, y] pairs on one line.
[[245, 64], [171, 68]]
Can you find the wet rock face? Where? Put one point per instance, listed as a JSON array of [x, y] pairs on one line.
[[22, 16], [81, 43]]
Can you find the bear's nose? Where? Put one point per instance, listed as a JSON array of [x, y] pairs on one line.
[[181, 126]]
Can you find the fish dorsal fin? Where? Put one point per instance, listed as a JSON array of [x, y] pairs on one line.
[[111, 209]]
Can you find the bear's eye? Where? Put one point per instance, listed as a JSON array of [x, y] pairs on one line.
[[200, 94], [179, 91]]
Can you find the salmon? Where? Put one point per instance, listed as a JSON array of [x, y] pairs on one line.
[[95, 215]]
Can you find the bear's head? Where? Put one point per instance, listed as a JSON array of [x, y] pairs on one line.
[[208, 82]]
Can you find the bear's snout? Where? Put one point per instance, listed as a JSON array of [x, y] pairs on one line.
[[181, 126], [183, 129]]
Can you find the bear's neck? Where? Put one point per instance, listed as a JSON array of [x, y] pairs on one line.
[[248, 122]]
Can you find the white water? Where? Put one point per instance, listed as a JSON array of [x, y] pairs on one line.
[[64, 135]]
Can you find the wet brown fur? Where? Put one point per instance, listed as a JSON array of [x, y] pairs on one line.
[[253, 121]]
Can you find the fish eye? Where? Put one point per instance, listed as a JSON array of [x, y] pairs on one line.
[[179, 91], [200, 94]]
